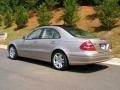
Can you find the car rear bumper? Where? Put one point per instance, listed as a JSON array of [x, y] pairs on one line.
[[85, 59]]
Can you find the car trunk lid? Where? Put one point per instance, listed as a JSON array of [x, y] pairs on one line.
[[100, 44]]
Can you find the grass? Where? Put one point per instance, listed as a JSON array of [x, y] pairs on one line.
[[16, 34], [13, 34], [113, 38]]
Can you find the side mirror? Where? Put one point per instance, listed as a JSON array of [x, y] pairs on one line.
[[23, 37]]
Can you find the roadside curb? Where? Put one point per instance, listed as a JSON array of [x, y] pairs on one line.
[[3, 46], [113, 61]]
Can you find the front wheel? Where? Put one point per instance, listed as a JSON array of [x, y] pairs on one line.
[[12, 52], [59, 61]]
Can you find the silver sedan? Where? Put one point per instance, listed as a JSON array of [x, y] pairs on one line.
[[61, 45]]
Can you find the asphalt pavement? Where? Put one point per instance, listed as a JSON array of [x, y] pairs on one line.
[[29, 74]]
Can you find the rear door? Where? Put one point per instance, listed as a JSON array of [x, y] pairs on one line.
[[49, 40]]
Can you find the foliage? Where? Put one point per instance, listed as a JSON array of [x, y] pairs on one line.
[[4, 7], [70, 16], [44, 15], [31, 3], [98, 1], [21, 17], [28, 4], [0, 20], [90, 2], [8, 19], [108, 12], [51, 4]]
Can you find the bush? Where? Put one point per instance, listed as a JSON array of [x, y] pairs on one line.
[[51, 4], [0, 20], [44, 15], [8, 19], [107, 12], [21, 17], [90, 2], [70, 16], [98, 2]]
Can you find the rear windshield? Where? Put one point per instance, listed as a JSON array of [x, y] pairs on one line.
[[79, 33]]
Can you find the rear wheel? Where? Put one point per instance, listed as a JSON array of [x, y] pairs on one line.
[[12, 53], [59, 60]]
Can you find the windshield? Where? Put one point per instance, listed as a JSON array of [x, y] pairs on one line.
[[79, 33]]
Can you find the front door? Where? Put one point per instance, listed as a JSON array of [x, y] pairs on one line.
[[30, 46]]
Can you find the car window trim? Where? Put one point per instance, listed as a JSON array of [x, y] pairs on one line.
[[50, 38], [34, 31]]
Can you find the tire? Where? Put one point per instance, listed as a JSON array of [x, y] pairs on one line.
[[12, 53], [60, 61]]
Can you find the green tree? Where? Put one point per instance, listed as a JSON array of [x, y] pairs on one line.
[[28, 4], [107, 13], [8, 18], [21, 17], [98, 2], [90, 2], [4, 7], [51, 4], [1, 20], [70, 16], [31, 3], [44, 15]]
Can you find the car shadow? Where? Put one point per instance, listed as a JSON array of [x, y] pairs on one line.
[[34, 61], [74, 68], [87, 68]]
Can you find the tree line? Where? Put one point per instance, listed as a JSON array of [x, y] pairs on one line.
[[107, 11]]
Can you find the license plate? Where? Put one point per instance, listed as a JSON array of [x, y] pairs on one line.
[[104, 46]]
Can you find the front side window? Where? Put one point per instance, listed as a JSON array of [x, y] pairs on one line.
[[35, 34], [50, 33]]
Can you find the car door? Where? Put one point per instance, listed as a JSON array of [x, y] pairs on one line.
[[30, 46], [50, 38]]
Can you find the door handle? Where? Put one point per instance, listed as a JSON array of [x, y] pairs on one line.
[[53, 42], [34, 42]]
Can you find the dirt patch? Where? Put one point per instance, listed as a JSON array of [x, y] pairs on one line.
[[32, 21]]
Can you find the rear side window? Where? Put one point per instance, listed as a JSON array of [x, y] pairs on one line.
[[50, 33], [79, 33]]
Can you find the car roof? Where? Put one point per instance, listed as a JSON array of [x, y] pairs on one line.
[[56, 26], [61, 29]]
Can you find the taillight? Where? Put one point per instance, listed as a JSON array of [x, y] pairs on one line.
[[88, 46], [110, 48]]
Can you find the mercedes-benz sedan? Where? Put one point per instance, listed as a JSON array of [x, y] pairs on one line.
[[61, 45]]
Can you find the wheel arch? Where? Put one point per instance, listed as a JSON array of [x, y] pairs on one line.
[[63, 51], [66, 61], [16, 53], [11, 45]]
